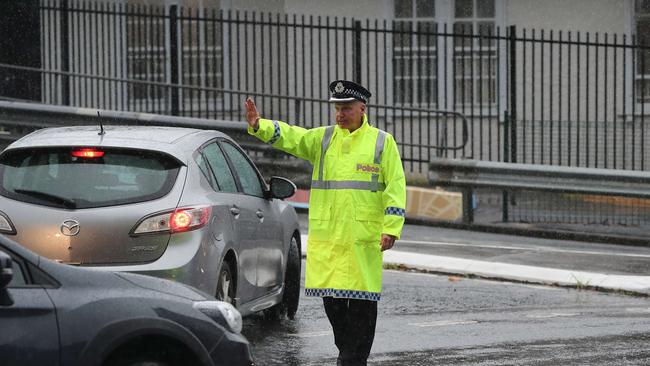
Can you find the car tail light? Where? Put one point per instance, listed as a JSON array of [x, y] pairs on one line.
[[179, 220], [88, 153], [6, 227]]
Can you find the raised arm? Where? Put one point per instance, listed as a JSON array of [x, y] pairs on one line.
[[294, 140], [252, 115]]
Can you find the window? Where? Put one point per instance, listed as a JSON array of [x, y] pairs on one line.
[[248, 177], [54, 177], [220, 168], [642, 75], [415, 62], [146, 52], [149, 59], [201, 53], [425, 59], [18, 279], [475, 62], [205, 169]]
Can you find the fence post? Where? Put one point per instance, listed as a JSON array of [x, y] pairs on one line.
[[505, 196], [513, 95], [357, 51], [468, 206], [65, 54], [173, 56], [510, 122]]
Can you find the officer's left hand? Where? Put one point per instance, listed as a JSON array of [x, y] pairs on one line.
[[387, 241]]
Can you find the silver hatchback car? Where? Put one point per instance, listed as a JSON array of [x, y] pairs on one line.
[[182, 204]]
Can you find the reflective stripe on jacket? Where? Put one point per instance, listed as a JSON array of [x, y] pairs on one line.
[[358, 192]]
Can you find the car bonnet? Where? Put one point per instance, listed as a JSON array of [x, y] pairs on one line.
[[164, 286]]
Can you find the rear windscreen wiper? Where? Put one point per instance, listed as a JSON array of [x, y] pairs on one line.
[[66, 202]]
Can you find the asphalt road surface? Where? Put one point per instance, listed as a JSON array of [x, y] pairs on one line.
[[429, 319]]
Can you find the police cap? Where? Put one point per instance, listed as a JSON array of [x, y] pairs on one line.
[[348, 91]]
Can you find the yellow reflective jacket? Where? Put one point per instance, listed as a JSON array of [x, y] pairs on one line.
[[358, 192]]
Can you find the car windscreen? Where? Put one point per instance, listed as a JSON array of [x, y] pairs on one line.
[[76, 178]]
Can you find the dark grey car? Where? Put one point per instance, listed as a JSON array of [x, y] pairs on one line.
[[177, 203], [53, 314]]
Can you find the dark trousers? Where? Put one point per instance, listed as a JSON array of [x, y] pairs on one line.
[[353, 322]]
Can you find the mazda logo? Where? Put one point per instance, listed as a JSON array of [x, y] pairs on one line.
[[70, 227]]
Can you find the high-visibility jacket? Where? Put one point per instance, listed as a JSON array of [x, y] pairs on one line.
[[358, 192]]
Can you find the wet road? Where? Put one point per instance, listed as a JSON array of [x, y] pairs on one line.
[[429, 319]]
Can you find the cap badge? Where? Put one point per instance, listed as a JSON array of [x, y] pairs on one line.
[[339, 88]]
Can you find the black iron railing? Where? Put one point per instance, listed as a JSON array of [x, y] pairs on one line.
[[527, 96]]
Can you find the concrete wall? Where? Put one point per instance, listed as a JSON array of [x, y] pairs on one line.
[[264, 6], [361, 9], [610, 16]]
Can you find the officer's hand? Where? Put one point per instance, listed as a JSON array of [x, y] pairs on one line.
[[387, 241], [252, 115]]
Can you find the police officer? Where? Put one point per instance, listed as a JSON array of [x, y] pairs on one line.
[[356, 211]]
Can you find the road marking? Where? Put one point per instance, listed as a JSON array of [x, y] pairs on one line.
[[443, 323], [638, 310], [535, 249], [487, 282], [310, 334], [551, 315], [490, 246], [539, 287]]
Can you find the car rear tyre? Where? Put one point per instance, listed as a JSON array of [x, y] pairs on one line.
[[226, 284], [291, 294]]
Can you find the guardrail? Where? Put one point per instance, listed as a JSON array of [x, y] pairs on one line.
[[469, 175], [19, 118]]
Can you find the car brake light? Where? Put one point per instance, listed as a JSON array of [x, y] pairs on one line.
[[5, 224], [180, 220], [87, 153]]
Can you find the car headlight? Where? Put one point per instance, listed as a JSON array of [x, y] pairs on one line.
[[221, 312]]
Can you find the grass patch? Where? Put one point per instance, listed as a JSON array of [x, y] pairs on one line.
[[582, 285], [396, 267]]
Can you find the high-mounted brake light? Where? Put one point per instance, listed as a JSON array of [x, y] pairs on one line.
[[180, 220], [87, 153]]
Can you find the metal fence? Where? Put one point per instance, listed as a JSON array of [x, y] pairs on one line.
[[529, 96]]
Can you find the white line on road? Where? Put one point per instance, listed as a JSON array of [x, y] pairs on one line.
[[536, 249], [491, 246], [638, 310], [443, 323], [551, 315], [487, 282]]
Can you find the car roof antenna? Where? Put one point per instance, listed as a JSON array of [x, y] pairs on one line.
[[101, 126]]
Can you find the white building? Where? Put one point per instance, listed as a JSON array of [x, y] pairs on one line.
[[578, 90]]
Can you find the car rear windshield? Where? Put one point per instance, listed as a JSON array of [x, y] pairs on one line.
[[64, 177]]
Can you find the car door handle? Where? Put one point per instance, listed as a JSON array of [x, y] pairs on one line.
[[235, 211], [260, 214]]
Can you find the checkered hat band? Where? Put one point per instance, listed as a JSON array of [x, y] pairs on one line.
[[394, 211], [346, 294], [353, 93]]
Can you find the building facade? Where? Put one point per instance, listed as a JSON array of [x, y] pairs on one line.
[[552, 82]]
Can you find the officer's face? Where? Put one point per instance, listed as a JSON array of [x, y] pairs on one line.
[[350, 115]]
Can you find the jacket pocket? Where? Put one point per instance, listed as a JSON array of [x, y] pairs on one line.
[[369, 221], [319, 223]]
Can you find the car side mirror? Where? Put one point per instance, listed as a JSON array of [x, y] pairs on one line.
[[6, 270], [282, 188]]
